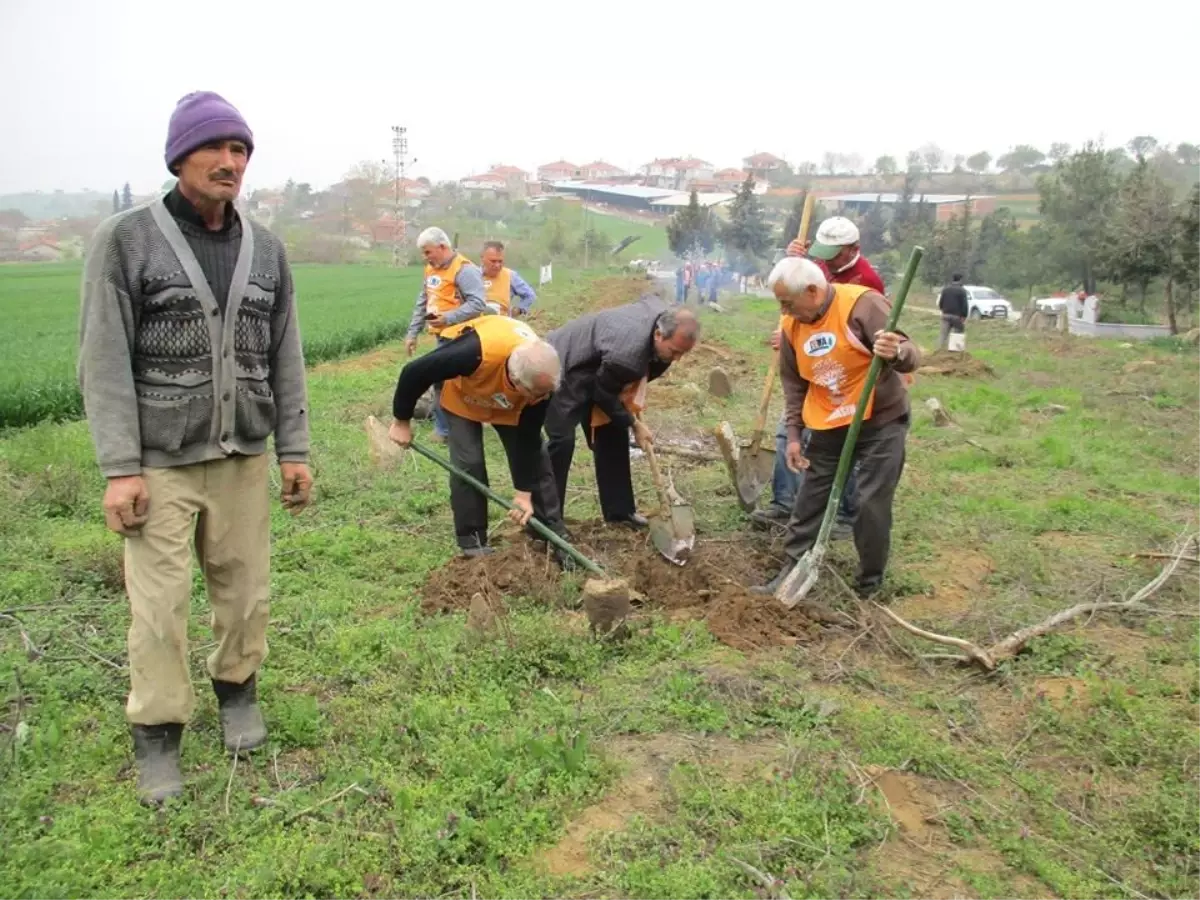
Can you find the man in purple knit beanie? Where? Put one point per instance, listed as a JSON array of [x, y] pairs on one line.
[[201, 118], [189, 359]]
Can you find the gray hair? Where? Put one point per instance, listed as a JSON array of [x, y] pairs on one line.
[[433, 237], [797, 275], [678, 319], [493, 245], [534, 361]]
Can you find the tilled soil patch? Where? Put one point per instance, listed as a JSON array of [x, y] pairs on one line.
[[961, 365], [713, 586]]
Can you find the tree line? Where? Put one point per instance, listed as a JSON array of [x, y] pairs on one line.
[[1113, 222]]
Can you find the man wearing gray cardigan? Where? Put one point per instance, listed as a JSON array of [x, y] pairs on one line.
[[189, 359]]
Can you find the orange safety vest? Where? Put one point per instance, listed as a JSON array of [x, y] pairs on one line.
[[487, 394], [441, 294], [633, 398], [499, 291], [834, 362]]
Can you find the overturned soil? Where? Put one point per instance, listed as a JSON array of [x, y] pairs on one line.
[[961, 365], [713, 586]]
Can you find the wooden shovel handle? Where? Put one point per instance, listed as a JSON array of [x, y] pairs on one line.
[[659, 484], [760, 423], [805, 216]]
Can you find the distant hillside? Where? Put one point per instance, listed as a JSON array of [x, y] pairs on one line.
[[39, 205]]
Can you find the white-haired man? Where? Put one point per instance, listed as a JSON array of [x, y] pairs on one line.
[[451, 294], [829, 333], [494, 370], [836, 251]]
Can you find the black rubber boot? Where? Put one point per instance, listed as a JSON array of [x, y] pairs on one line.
[[241, 718], [156, 752], [634, 520], [565, 561], [772, 586]]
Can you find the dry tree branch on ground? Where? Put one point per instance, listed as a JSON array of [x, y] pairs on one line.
[[989, 658]]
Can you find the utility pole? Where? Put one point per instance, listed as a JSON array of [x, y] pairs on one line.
[[400, 152]]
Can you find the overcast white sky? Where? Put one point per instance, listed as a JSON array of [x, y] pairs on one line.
[[86, 96]]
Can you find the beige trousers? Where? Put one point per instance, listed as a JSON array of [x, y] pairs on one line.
[[223, 509]]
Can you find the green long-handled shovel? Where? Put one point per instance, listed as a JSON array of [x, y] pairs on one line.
[[534, 523], [607, 601], [804, 574]]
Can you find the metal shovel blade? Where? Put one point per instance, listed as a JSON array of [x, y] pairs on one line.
[[675, 539], [801, 579], [754, 472]]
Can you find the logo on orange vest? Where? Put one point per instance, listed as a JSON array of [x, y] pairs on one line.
[[845, 411], [501, 401], [487, 284], [829, 374], [433, 281], [820, 343]]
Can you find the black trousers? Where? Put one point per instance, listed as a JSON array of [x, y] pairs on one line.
[[470, 507], [881, 452], [610, 451]]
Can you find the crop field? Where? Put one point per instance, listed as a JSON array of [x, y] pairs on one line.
[[343, 310], [725, 747]]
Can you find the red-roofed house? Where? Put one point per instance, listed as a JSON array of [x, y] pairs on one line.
[[676, 173], [558, 171], [730, 176], [601, 169], [515, 179], [509, 172], [43, 249], [763, 164], [487, 183]]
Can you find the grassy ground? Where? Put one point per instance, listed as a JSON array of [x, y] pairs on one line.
[[411, 755], [651, 240], [343, 310]]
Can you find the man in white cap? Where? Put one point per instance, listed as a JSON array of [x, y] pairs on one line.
[[836, 251]]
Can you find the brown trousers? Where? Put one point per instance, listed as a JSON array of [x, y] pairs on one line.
[[223, 509]]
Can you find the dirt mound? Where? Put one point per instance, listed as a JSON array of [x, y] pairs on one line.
[[962, 365], [515, 569], [712, 586]]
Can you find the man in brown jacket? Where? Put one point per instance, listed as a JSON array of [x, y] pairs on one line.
[[830, 332]]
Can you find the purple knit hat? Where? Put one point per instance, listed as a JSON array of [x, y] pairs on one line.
[[200, 117]]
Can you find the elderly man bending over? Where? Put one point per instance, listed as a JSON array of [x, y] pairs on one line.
[[829, 334], [451, 294], [496, 371], [608, 358]]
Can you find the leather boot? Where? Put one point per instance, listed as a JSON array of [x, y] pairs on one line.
[[241, 717], [156, 753]]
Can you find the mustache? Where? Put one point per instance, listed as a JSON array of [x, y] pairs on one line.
[[222, 175]]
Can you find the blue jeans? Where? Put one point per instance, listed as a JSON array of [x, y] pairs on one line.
[[785, 484], [441, 426]]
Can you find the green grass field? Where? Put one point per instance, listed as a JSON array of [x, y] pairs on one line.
[[343, 309], [705, 756], [651, 240]]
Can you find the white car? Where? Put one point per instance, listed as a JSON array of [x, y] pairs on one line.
[[985, 303]]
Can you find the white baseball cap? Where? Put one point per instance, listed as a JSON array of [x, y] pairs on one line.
[[833, 234]]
